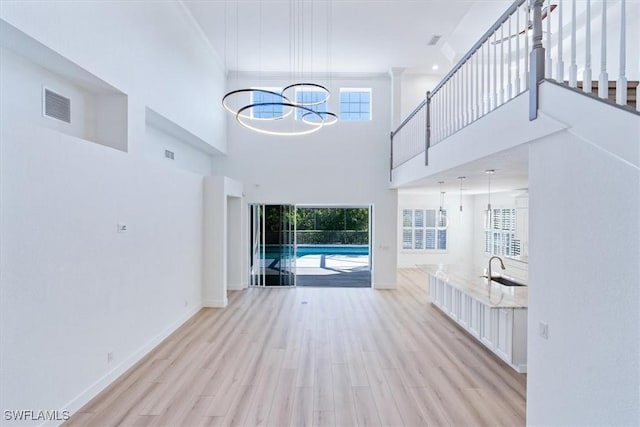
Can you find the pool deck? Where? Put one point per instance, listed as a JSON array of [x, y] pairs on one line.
[[339, 270]]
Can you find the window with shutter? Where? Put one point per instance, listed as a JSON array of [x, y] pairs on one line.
[[500, 239], [421, 231]]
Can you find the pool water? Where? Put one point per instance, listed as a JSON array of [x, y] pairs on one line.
[[275, 251]]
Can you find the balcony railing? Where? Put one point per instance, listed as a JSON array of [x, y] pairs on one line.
[[510, 58]]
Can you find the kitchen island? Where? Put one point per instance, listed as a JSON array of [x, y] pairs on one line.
[[495, 315]]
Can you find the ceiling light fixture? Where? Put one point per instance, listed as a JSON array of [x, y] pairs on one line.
[[461, 178], [442, 220], [435, 67], [488, 214], [309, 118]]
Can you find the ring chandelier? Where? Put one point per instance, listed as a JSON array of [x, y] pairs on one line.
[[310, 119]]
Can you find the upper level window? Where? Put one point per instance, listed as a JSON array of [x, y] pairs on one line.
[[500, 238], [266, 111], [422, 231], [308, 97], [355, 104]]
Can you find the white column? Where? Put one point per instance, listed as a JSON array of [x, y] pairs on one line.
[[502, 64], [560, 72], [526, 50], [603, 81], [621, 86], [586, 77], [509, 85], [573, 68], [548, 67], [526, 30], [495, 70]]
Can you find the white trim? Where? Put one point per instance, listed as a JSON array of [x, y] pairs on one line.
[[236, 287], [83, 398], [215, 303]]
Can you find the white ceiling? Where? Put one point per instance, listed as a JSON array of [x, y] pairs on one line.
[[360, 36], [351, 36], [511, 173]]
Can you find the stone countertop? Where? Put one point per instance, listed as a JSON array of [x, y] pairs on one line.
[[470, 281]]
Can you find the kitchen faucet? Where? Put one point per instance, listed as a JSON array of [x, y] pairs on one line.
[[501, 265]]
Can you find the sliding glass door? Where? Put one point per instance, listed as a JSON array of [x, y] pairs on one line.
[[273, 245]]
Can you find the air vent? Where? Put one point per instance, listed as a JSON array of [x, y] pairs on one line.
[[434, 40], [168, 154], [57, 106]]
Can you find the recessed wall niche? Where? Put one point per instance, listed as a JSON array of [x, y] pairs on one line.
[[50, 91]]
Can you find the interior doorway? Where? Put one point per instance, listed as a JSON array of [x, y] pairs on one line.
[[304, 245]]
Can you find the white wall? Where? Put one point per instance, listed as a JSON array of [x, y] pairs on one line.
[[73, 288], [459, 233], [151, 49], [584, 205], [185, 157], [346, 163], [414, 89]]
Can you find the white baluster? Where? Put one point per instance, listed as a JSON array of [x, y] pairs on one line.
[[478, 81], [463, 99], [621, 86], [509, 85], [560, 72], [494, 102], [481, 109], [603, 81], [517, 82], [502, 64], [488, 104], [573, 68], [587, 84], [548, 67], [526, 49]]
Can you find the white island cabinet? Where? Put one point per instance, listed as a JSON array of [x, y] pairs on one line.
[[498, 319]]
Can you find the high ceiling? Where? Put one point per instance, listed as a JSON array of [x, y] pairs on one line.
[[350, 36]]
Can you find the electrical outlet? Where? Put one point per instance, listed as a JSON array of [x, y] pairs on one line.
[[169, 154], [122, 228], [544, 330], [109, 356]]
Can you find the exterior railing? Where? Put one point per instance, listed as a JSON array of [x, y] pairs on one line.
[[509, 59]]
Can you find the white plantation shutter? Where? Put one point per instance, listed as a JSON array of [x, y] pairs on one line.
[[500, 238], [420, 231]]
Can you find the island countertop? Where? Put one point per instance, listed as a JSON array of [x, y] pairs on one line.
[[470, 281]]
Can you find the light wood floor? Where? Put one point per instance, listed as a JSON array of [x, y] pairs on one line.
[[311, 356]]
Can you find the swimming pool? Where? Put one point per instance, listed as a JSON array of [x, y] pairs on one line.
[[332, 250], [284, 251]]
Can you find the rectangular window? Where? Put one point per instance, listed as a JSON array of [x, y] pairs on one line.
[[308, 97], [500, 237], [355, 104], [421, 230], [266, 111]]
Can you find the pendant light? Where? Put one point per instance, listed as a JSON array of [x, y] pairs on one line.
[[488, 214], [308, 117], [461, 178], [442, 220]]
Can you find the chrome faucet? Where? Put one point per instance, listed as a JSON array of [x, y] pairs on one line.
[[501, 265]]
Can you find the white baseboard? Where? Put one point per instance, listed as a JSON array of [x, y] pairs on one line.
[[236, 287], [215, 303], [384, 286], [84, 397]]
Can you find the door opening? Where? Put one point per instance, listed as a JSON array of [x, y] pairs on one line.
[[307, 245]]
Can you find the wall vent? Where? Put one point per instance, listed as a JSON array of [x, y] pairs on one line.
[[434, 40], [168, 154], [56, 106]]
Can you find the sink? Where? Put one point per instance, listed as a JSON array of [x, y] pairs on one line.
[[504, 281]]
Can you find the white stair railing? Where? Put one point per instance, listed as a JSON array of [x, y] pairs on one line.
[[499, 67]]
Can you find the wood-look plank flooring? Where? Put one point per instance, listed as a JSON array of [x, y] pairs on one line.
[[314, 356]]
